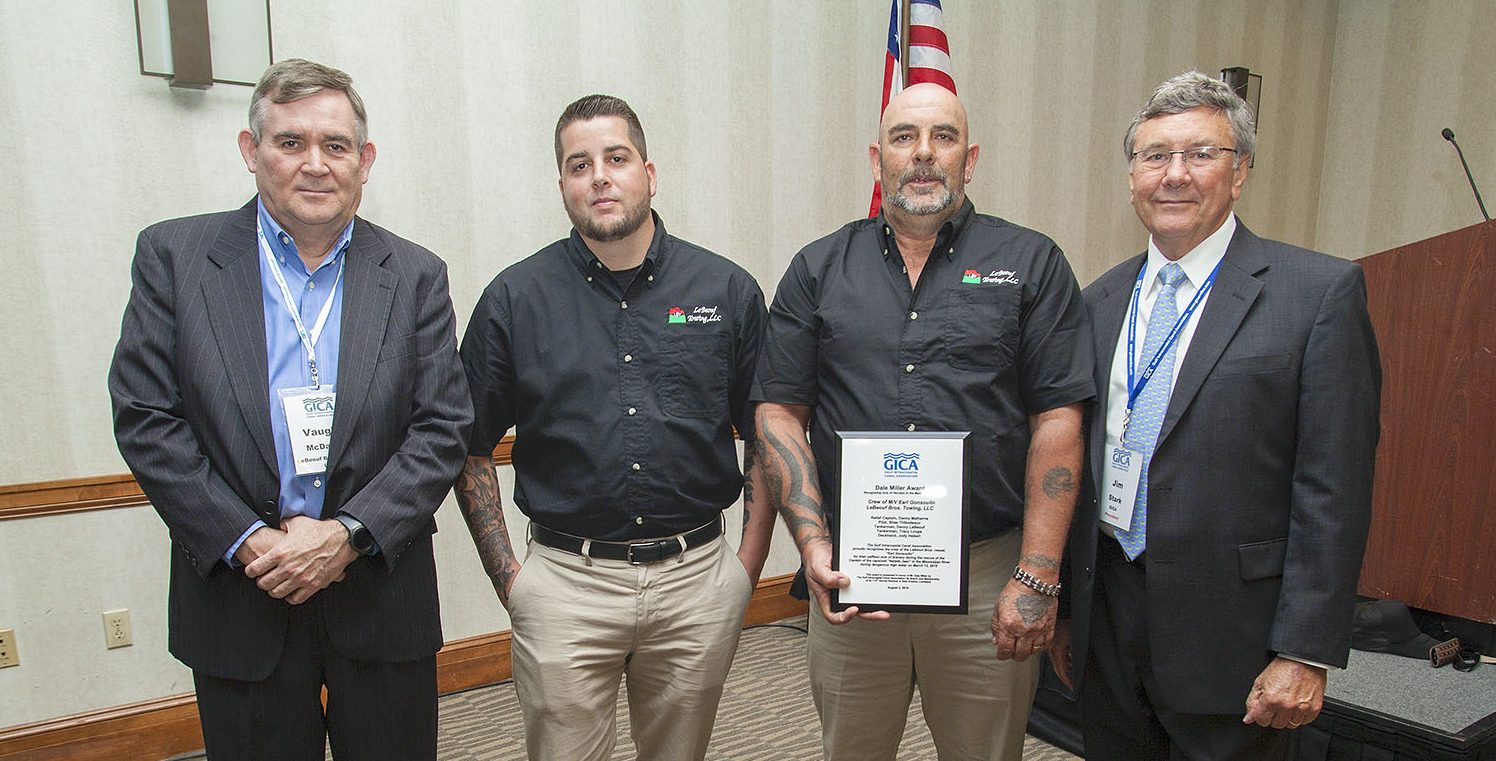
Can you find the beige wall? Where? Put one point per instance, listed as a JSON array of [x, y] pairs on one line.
[[758, 116], [1404, 71]]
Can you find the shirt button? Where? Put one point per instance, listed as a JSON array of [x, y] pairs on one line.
[[311, 285], [914, 315], [953, 249], [635, 466], [623, 304], [628, 358], [597, 264], [632, 410], [651, 278], [589, 278], [317, 482], [911, 426], [908, 368], [885, 253], [285, 239], [639, 520]]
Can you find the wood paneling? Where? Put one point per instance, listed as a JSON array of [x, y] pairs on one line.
[[1434, 515], [168, 726], [76, 495]]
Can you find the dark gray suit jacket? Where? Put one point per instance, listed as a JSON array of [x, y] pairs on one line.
[[1260, 485], [192, 419]]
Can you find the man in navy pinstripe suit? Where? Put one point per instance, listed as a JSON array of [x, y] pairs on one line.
[[287, 392]]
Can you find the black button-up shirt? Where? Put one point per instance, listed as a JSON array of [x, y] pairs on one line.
[[994, 332], [622, 398]]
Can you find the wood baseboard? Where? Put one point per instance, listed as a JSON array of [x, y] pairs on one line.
[[164, 727]]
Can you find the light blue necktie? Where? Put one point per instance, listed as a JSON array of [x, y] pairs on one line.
[[1148, 411]]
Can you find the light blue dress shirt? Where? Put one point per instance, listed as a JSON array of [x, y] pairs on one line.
[[299, 495]]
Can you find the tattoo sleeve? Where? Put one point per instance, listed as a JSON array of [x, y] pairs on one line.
[[482, 508], [790, 475]]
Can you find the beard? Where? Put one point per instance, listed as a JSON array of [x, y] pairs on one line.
[[618, 228], [933, 203]]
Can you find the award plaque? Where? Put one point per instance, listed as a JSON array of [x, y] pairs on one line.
[[901, 529]]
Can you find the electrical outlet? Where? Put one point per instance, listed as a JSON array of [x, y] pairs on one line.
[[117, 629], [8, 654]]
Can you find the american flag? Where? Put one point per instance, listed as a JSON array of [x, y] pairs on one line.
[[929, 59]]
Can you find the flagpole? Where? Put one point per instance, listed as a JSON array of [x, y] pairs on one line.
[[904, 42]]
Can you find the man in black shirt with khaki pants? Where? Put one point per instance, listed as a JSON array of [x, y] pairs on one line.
[[930, 317], [622, 356]]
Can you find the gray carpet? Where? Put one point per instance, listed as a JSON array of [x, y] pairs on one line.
[[766, 713]]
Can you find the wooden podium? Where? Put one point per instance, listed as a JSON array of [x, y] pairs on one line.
[[1433, 530]]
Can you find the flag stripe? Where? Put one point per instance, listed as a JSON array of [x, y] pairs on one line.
[[928, 36]]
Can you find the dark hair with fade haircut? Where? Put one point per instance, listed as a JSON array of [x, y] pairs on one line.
[[594, 106], [297, 78]]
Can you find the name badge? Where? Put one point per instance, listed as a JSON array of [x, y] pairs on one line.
[[309, 420], [1123, 467]]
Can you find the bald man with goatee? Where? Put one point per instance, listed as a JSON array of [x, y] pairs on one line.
[[930, 318]]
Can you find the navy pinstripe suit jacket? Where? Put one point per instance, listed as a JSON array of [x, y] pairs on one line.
[[192, 419], [1259, 490]]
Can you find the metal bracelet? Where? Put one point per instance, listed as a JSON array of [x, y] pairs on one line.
[[1033, 582]]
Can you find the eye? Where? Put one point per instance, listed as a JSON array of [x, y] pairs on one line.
[[336, 147], [1154, 157], [579, 166], [1203, 155], [290, 144], [904, 138], [617, 159]]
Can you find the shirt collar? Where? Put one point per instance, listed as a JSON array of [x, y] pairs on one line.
[[946, 240], [589, 264], [284, 246], [1199, 262]]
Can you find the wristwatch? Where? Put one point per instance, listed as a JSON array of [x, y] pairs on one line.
[[359, 537]]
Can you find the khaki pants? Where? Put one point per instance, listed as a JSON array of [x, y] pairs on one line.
[[670, 628], [863, 674]]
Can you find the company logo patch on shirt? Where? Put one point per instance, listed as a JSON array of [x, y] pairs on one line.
[[996, 277], [699, 314]]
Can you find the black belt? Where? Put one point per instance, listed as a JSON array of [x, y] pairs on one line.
[[637, 553]]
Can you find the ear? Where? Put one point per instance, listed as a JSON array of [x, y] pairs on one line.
[[649, 169], [1239, 176], [248, 150], [365, 162], [875, 159], [972, 152]]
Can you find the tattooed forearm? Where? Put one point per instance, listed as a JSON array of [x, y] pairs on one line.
[[749, 456], [1034, 560], [1058, 481], [1033, 607], [790, 478], [478, 499]]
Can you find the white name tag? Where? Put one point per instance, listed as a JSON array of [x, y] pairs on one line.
[[1123, 466], [309, 420]]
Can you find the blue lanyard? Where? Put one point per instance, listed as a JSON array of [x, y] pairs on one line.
[[1135, 386]]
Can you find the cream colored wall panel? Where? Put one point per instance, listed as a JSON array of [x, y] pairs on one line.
[[1403, 72]]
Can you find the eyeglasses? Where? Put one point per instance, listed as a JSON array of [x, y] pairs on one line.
[[1154, 159]]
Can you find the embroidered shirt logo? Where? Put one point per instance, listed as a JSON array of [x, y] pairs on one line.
[[701, 315], [995, 277]]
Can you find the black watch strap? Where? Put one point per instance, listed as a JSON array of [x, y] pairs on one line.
[[359, 537]]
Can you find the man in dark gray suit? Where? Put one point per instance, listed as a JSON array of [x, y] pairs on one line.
[[1212, 579], [287, 392]]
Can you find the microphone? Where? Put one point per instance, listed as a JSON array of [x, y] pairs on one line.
[[1449, 135]]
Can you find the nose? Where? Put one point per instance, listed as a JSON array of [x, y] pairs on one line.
[[924, 149], [315, 164], [1176, 172]]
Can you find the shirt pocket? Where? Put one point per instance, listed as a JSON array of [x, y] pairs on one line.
[[982, 328], [693, 376]]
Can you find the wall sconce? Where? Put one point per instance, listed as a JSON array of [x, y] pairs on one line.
[[195, 43], [1248, 87]]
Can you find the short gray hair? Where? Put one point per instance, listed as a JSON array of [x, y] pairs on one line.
[[296, 78], [1192, 90]]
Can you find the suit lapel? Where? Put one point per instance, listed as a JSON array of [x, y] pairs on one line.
[[236, 311], [368, 293], [1236, 288], [1106, 320]]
